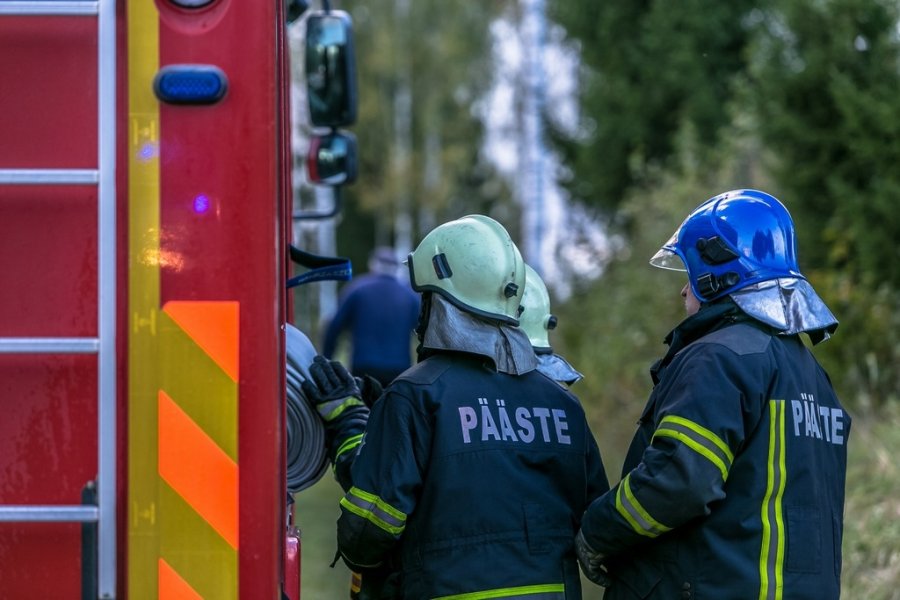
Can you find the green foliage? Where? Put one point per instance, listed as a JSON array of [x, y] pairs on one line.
[[422, 66], [316, 513], [872, 511], [815, 83], [649, 68], [824, 78], [863, 358]]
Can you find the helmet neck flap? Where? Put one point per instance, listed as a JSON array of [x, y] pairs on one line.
[[447, 327], [788, 305], [558, 369]]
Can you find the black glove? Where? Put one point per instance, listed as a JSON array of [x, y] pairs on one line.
[[370, 389], [590, 561], [335, 395], [331, 389]]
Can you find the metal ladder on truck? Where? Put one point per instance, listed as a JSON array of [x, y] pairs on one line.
[[102, 512]]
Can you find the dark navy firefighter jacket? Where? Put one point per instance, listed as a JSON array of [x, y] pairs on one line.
[[471, 484], [733, 487]]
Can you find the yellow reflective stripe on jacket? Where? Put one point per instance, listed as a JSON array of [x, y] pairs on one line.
[[632, 511], [332, 410], [548, 591], [349, 444], [699, 439], [375, 510], [771, 556]]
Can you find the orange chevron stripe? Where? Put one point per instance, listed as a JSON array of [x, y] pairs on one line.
[[214, 326], [172, 586], [198, 470]]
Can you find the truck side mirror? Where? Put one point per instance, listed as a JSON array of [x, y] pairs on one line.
[[294, 9], [331, 158], [330, 69]]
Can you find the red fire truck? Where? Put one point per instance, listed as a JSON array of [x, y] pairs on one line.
[[145, 211]]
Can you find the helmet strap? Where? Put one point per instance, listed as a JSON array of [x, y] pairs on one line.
[[708, 285], [424, 314]]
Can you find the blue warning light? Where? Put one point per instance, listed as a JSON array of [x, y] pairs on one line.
[[190, 84], [201, 204], [148, 151]]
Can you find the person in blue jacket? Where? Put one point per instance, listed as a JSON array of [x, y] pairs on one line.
[[733, 487], [474, 468], [379, 311]]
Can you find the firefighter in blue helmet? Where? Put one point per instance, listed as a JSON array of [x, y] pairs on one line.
[[475, 468], [733, 487]]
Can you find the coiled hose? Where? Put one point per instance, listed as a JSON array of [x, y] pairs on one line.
[[307, 459]]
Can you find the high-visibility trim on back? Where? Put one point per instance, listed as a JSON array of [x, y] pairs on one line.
[[771, 556]]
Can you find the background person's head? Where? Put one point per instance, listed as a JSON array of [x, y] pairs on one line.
[[383, 260]]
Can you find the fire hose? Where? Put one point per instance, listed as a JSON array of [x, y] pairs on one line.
[[307, 460]]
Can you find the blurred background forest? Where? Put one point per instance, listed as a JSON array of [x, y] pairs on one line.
[[590, 129]]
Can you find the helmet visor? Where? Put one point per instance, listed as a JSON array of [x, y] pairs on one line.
[[666, 258]]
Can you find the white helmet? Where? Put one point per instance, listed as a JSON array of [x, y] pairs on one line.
[[536, 320], [473, 263]]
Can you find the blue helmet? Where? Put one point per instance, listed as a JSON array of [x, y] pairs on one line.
[[731, 241]]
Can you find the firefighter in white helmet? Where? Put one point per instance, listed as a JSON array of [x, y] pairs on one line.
[[537, 322], [475, 468]]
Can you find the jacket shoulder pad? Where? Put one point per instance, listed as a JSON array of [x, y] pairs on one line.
[[741, 339], [426, 372]]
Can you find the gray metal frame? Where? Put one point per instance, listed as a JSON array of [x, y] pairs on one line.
[[104, 345]]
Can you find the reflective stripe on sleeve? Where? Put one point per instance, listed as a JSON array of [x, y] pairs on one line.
[[375, 510], [333, 409], [771, 556], [632, 511], [349, 444], [548, 591], [699, 439]]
